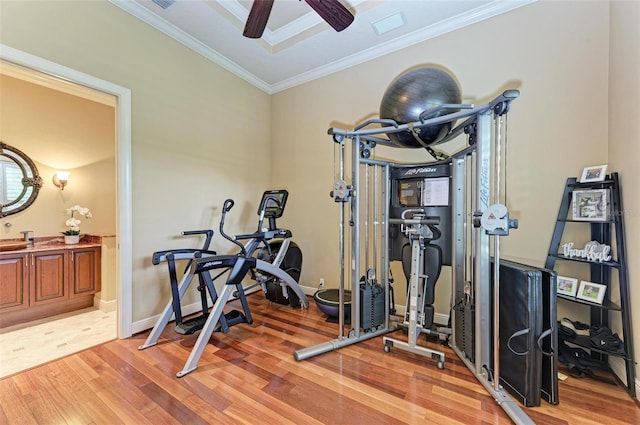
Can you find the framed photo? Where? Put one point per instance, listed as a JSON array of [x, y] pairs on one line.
[[567, 286], [595, 173], [592, 292], [590, 205]]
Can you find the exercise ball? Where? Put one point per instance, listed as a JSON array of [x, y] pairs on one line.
[[411, 94]]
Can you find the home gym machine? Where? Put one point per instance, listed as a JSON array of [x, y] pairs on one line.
[[269, 257], [477, 217]]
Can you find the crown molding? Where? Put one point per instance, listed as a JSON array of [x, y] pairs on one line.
[[462, 20], [187, 40]]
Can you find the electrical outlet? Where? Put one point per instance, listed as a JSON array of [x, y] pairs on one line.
[[321, 282]]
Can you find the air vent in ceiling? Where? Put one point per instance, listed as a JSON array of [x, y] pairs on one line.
[[164, 3]]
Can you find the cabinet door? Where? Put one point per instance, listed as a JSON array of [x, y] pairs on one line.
[[14, 275], [85, 271], [49, 278]]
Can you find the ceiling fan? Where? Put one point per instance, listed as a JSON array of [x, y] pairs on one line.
[[332, 11]]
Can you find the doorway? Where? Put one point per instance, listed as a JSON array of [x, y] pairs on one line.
[[122, 95]]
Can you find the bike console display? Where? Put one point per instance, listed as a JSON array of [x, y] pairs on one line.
[[273, 202]]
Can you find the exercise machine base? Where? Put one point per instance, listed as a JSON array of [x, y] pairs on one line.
[[416, 349]]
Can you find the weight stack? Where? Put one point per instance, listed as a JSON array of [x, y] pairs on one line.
[[372, 305], [464, 312]]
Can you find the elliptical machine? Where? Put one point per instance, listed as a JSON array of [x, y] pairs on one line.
[[271, 276]]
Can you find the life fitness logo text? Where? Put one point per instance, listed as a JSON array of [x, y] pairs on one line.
[[414, 171]]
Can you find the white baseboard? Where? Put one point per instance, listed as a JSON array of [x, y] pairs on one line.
[[105, 306], [148, 323], [619, 368], [308, 290]]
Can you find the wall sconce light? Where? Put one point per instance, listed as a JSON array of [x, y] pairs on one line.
[[61, 178]]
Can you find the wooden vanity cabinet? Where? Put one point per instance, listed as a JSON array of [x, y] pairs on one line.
[[84, 271], [39, 284], [14, 282], [48, 275]]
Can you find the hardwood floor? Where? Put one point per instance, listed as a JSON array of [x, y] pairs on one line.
[[250, 376]]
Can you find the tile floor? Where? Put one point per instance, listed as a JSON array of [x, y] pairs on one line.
[[26, 346]]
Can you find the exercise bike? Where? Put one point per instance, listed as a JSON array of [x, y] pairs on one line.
[[268, 256]]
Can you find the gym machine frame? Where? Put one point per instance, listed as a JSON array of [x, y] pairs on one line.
[[474, 220]]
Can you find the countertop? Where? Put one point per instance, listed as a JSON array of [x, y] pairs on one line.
[[53, 243]]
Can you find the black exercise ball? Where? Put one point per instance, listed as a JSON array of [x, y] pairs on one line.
[[411, 94]]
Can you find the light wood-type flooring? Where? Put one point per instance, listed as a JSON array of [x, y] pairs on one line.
[[25, 346], [250, 376]]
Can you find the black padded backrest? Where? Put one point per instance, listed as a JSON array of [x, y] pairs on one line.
[[432, 267]]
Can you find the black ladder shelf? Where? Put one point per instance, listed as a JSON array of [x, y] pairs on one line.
[[601, 231]]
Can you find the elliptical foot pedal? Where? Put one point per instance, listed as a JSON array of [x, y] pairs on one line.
[[191, 326], [235, 317]]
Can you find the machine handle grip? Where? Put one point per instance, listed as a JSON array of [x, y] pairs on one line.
[[208, 233], [420, 213], [257, 235], [197, 232], [228, 204], [432, 221]]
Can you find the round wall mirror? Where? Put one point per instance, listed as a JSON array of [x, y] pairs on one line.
[[19, 180]]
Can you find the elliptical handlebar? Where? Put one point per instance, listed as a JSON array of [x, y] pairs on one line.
[[263, 208], [228, 204], [208, 233], [226, 207], [266, 200]]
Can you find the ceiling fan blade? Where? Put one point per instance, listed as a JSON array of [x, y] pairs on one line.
[[258, 17], [333, 12]]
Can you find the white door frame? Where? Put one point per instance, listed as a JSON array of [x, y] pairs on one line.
[[124, 288]]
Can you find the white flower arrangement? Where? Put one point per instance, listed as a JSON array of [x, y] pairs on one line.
[[73, 222]]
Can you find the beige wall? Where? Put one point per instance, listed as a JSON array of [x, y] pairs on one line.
[[624, 134], [199, 134]]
